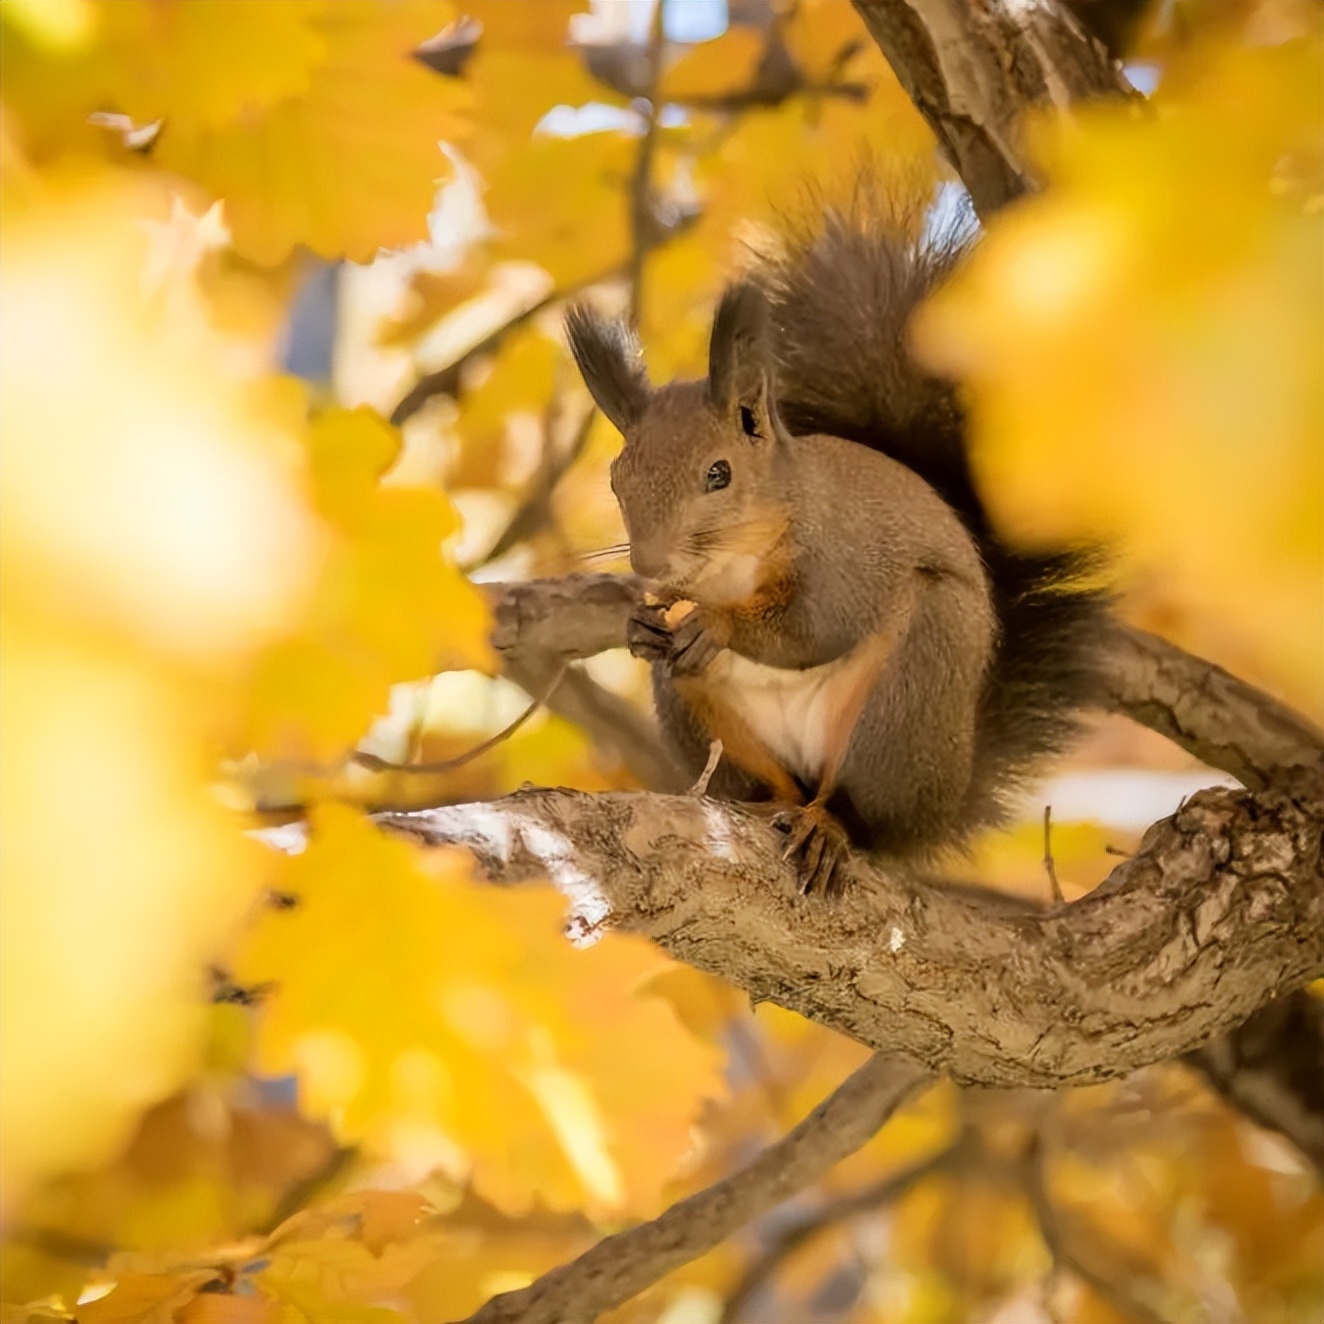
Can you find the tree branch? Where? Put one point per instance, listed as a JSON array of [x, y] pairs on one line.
[[623, 1265], [877, 1195], [973, 69], [1086, 1252], [1219, 912], [1223, 721]]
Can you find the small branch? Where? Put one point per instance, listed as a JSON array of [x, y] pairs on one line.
[[973, 69], [534, 511], [622, 1266], [876, 1196], [1049, 865], [643, 219], [446, 381], [700, 787]]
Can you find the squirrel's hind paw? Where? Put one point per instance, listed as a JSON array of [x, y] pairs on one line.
[[818, 844]]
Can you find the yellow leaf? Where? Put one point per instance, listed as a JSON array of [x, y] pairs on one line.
[[714, 68], [208, 62], [524, 25], [1144, 366], [561, 202], [57, 24], [470, 1034], [228, 1308], [351, 165], [144, 1299], [704, 1004], [389, 607], [158, 459], [152, 537]]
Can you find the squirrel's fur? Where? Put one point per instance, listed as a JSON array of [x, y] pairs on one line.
[[842, 294], [862, 635]]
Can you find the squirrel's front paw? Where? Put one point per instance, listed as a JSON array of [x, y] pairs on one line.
[[647, 634], [677, 635], [818, 844]]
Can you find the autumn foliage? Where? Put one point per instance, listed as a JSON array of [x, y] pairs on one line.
[[353, 1084]]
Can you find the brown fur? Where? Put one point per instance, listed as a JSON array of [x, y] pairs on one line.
[[877, 649]]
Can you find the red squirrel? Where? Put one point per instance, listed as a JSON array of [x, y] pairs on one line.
[[829, 597]]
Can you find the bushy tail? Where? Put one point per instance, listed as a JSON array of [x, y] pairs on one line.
[[842, 294]]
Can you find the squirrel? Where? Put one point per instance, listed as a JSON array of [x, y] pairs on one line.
[[830, 598]]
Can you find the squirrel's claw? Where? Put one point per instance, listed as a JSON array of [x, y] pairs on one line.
[[647, 634], [687, 647], [693, 646], [820, 844]]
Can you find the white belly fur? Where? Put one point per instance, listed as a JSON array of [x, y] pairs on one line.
[[790, 711]]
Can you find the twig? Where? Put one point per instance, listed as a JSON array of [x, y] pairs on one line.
[[375, 764], [643, 220], [446, 381], [622, 1266], [535, 510], [700, 787], [876, 1196], [1049, 866]]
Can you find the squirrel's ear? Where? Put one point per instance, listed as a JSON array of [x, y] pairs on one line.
[[737, 351], [740, 374], [611, 364]]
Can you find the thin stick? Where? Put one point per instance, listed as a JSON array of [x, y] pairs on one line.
[[700, 787], [1058, 898], [375, 764]]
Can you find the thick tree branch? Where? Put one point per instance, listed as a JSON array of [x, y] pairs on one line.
[[1219, 912], [973, 69], [1223, 721], [623, 1265]]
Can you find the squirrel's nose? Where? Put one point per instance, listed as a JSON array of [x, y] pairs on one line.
[[649, 562]]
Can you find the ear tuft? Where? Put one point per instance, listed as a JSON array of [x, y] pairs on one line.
[[610, 362], [738, 352]]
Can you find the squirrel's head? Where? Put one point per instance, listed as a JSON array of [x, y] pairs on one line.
[[697, 477]]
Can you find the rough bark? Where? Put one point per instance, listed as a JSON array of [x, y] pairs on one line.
[[972, 70], [1220, 911]]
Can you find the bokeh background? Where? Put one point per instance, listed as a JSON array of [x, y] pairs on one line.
[[283, 380]]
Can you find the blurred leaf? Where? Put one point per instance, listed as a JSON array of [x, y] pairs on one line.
[[715, 68], [559, 202], [389, 607], [423, 1013], [1149, 307], [152, 536], [144, 1299]]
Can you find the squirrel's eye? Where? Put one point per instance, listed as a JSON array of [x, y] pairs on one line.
[[748, 422], [718, 476]]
